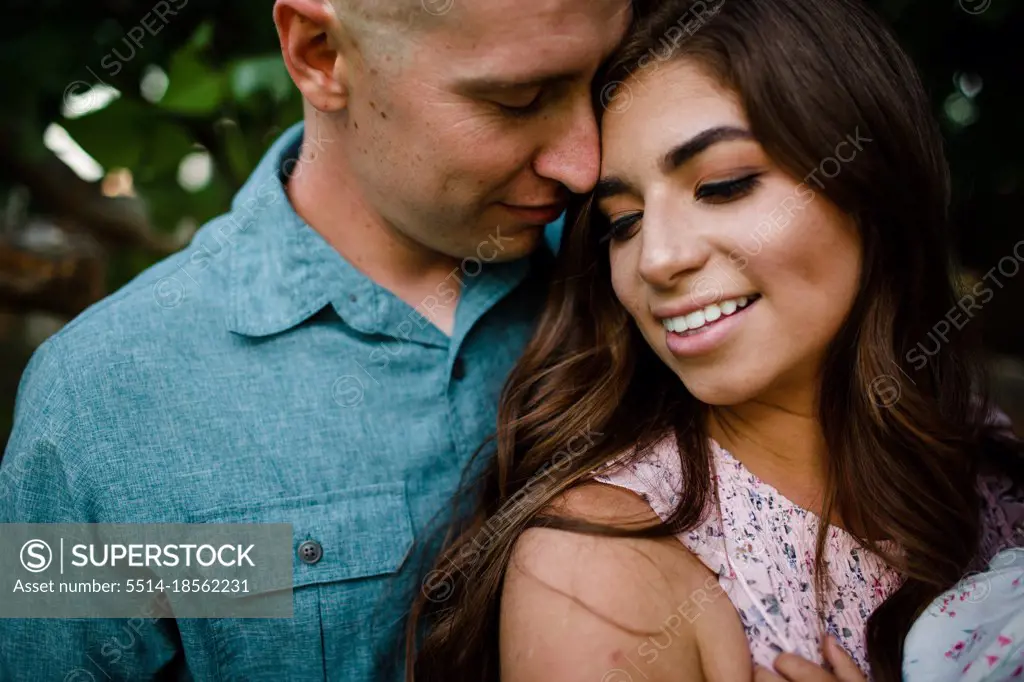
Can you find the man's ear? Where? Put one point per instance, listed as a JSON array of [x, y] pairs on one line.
[[311, 52]]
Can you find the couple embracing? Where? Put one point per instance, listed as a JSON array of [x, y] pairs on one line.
[[675, 436]]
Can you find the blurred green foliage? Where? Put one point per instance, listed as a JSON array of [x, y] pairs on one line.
[[227, 91]]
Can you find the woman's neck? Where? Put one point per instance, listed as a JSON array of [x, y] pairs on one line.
[[781, 443]]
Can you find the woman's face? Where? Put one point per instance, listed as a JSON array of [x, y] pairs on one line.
[[737, 274]]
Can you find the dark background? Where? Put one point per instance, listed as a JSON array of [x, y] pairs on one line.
[[171, 104]]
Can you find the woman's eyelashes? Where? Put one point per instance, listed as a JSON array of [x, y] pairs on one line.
[[625, 225], [727, 190]]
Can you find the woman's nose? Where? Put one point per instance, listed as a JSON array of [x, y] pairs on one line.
[[670, 248]]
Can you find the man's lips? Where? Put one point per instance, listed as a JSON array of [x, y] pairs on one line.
[[541, 215]]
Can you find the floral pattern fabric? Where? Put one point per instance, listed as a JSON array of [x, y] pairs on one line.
[[762, 547], [975, 631]]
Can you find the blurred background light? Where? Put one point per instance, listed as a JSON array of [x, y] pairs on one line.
[[67, 150], [195, 171]]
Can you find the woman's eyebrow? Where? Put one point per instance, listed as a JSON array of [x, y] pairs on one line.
[[700, 142], [676, 157]]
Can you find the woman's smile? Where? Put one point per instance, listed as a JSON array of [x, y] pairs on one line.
[[702, 331], [687, 193]]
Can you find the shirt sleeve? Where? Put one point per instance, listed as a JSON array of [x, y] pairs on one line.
[[46, 477]]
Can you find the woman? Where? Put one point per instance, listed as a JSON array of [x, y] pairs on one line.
[[738, 316]]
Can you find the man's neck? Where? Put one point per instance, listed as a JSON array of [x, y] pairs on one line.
[[325, 195]]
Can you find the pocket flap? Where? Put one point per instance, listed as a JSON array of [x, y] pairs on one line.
[[363, 532]]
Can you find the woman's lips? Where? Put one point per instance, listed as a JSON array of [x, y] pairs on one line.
[[696, 342]]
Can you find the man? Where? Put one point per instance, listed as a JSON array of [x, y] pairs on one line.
[[329, 353]]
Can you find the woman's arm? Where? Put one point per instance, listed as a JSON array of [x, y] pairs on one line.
[[580, 608]]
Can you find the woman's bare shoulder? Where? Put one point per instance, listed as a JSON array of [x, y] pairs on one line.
[[580, 607]]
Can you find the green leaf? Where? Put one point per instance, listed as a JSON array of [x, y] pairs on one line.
[[202, 37], [167, 203], [236, 150], [165, 148], [115, 135], [194, 88], [260, 74]]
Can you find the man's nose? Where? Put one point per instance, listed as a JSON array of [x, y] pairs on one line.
[[573, 157]]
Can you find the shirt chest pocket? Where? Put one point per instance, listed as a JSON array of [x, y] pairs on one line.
[[348, 551]]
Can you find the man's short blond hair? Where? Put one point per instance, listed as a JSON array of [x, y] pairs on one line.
[[384, 26], [378, 11]]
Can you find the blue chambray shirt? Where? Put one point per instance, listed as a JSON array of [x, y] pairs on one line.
[[257, 376]]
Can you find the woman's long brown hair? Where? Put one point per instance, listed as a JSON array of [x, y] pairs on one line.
[[809, 74]]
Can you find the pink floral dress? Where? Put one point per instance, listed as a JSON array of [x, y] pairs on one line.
[[761, 545]]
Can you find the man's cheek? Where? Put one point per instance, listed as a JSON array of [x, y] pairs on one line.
[[483, 132]]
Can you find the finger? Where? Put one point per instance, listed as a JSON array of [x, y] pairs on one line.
[[762, 674], [797, 669], [843, 666]]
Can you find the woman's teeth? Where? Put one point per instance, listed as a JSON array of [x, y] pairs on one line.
[[708, 314]]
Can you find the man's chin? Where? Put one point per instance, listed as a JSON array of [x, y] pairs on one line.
[[510, 242]]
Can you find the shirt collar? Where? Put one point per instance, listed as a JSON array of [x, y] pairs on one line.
[[282, 271]]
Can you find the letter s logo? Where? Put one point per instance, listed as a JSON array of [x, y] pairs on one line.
[[36, 556]]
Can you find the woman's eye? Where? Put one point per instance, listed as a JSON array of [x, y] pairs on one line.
[[522, 107], [623, 228], [728, 190]]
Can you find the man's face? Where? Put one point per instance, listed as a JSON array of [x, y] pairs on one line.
[[484, 124]]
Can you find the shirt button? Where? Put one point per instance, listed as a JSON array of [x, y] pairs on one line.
[[459, 369], [310, 551]]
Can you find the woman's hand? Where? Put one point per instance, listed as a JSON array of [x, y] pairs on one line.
[[792, 668]]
